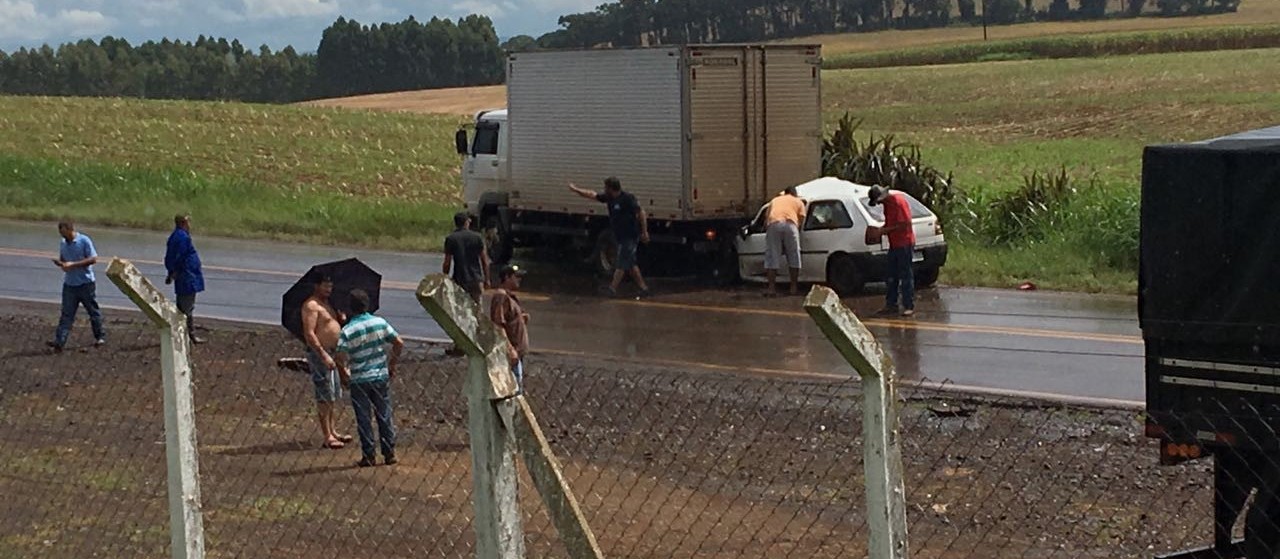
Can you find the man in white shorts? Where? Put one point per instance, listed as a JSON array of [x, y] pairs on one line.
[[782, 238]]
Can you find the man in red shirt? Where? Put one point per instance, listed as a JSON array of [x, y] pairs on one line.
[[902, 244]]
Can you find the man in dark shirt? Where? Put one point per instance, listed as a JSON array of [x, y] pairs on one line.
[[466, 247], [630, 227]]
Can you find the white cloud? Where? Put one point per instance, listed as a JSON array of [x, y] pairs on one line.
[[493, 9], [19, 20], [270, 9]]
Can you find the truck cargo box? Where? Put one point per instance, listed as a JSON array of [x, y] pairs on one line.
[[1209, 301], [695, 132]]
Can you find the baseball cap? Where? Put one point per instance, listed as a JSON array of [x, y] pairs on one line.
[[511, 269], [876, 195]]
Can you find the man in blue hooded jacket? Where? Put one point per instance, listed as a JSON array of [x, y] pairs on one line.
[[183, 264]]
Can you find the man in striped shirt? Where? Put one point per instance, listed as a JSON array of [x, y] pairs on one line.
[[366, 368]]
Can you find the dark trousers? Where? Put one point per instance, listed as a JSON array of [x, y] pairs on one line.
[[900, 278], [187, 305], [374, 399], [72, 299]]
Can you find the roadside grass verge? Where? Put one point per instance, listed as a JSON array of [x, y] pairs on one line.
[[114, 195], [1068, 46]]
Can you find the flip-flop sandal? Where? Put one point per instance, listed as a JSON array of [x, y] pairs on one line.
[[346, 438], [334, 445]]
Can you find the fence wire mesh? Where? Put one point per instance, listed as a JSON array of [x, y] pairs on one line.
[[666, 463]]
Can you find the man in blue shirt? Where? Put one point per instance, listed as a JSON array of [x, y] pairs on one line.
[[366, 368], [183, 264], [76, 257]]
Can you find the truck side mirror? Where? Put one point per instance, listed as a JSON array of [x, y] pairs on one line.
[[460, 141]]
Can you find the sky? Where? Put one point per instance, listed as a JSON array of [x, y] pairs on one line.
[[276, 23]]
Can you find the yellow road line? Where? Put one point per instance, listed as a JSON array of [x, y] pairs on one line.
[[881, 323]]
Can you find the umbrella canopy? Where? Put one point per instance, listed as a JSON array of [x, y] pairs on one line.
[[347, 275]]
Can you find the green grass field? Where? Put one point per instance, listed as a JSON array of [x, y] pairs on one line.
[[390, 180], [328, 175]]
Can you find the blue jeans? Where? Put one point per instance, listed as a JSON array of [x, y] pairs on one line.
[[900, 278], [374, 398], [72, 298]]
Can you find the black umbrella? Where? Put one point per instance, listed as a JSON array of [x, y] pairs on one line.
[[346, 274]]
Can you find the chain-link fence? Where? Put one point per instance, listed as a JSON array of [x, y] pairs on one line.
[[666, 463]]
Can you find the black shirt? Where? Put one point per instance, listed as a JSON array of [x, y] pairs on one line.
[[624, 212], [465, 246]]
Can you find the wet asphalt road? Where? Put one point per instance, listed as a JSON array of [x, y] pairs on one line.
[[1066, 345]]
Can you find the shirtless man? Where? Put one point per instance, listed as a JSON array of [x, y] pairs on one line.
[[321, 326]]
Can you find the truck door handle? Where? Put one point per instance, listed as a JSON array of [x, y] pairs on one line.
[[493, 163]]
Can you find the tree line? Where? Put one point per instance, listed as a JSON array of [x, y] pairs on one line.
[[352, 59], [654, 22]]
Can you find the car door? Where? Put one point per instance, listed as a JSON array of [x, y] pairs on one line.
[[828, 228], [750, 245]]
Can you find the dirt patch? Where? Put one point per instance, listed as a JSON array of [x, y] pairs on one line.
[[667, 463], [455, 101]]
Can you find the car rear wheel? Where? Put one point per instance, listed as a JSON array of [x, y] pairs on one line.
[[843, 275], [926, 277]]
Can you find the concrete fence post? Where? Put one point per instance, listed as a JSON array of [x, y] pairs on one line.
[[186, 524], [501, 424], [882, 452]]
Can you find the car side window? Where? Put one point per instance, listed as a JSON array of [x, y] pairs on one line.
[[827, 214], [918, 209]]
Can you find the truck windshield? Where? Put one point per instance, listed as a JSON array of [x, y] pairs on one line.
[[486, 141]]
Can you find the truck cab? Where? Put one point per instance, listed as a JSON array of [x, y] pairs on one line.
[[485, 167]]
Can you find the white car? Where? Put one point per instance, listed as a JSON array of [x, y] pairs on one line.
[[833, 247]]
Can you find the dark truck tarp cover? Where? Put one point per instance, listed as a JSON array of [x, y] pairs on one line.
[[1210, 240]]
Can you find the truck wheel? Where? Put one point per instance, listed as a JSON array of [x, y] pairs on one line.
[[605, 254], [926, 277], [726, 271], [843, 275], [497, 239]]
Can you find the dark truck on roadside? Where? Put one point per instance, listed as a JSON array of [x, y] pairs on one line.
[[1209, 308]]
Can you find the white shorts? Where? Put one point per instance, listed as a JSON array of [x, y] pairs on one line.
[[782, 238]]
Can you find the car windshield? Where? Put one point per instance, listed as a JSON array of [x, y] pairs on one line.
[[918, 209]]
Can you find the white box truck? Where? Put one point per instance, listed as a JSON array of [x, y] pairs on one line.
[[701, 135]]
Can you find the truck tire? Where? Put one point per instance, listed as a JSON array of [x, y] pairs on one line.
[[843, 275], [725, 269], [497, 239], [926, 277], [1262, 522], [605, 253]]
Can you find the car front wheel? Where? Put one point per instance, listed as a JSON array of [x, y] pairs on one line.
[[843, 275], [926, 277]]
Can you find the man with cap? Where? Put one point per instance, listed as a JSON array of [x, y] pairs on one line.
[[902, 244], [506, 312]]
